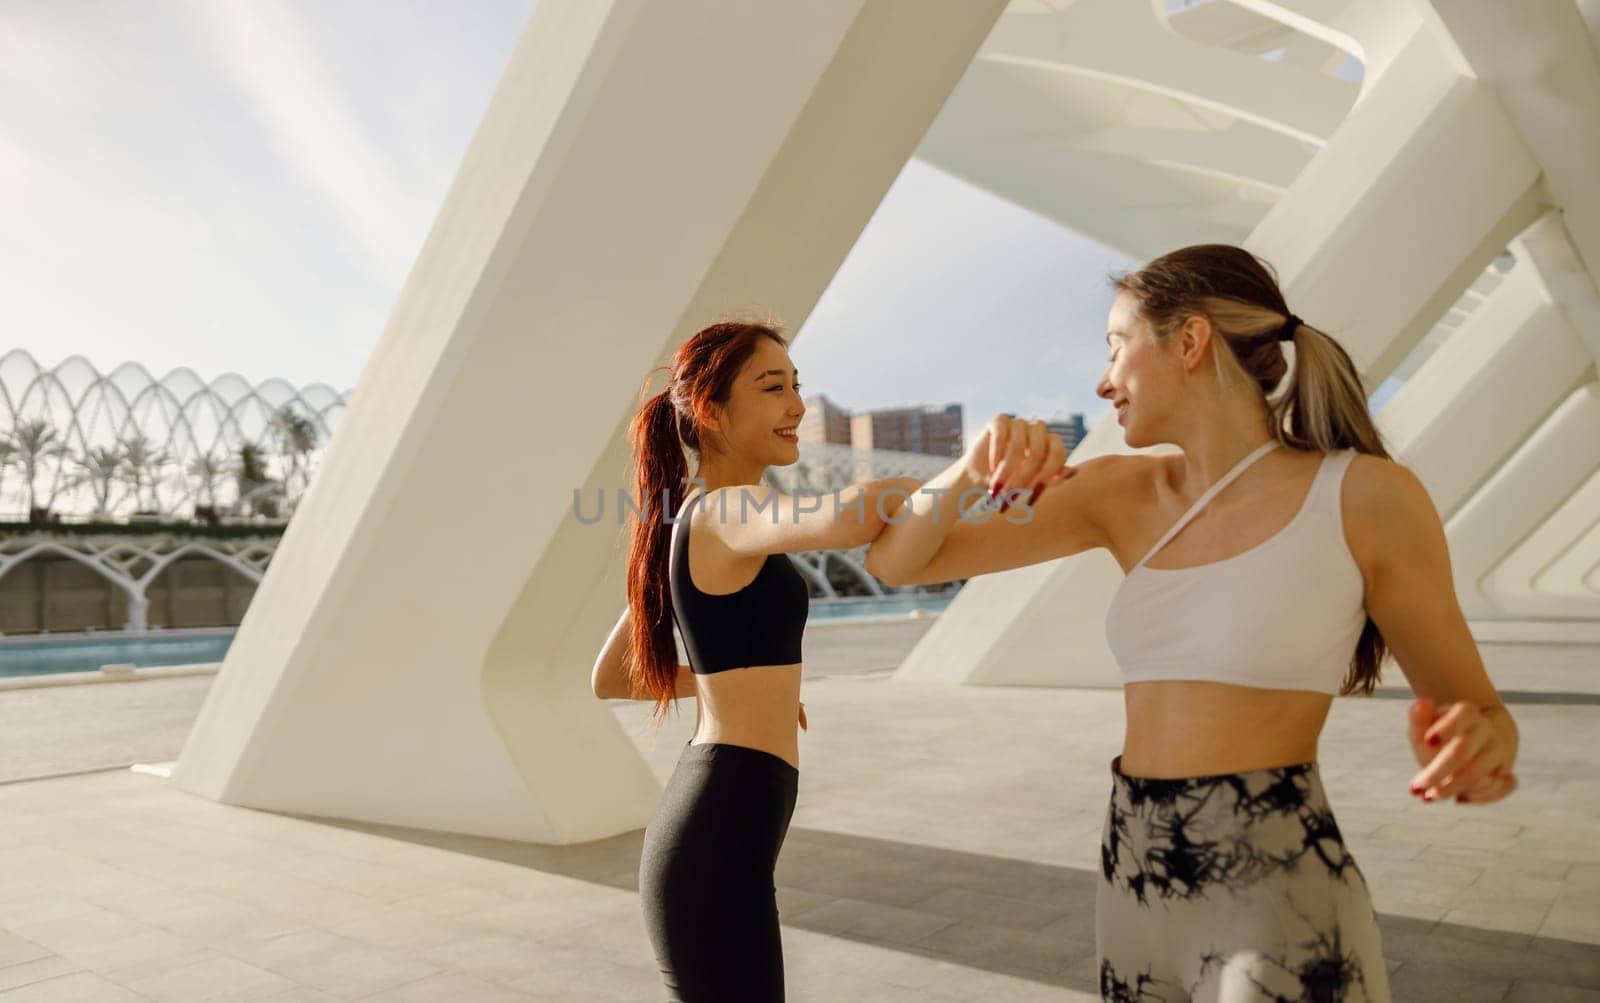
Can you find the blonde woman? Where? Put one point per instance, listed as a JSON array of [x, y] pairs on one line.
[[1270, 564]]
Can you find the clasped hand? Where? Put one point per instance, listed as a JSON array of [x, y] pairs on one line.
[[1460, 753]]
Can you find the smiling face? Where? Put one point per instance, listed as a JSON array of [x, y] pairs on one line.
[[1143, 375], [760, 423]]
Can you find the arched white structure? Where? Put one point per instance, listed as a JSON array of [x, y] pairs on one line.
[[589, 232], [133, 563], [1462, 144], [180, 414]]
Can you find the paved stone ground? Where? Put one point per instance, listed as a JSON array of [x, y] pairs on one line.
[[943, 849]]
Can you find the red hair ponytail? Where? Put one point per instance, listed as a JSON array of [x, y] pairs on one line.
[[703, 370]]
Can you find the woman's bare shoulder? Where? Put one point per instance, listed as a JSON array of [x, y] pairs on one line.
[[1380, 495], [1115, 486], [1128, 477], [1373, 485]]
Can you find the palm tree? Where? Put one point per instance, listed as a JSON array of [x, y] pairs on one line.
[[101, 468], [33, 442], [296, 436], [8, 454], [250, 473], [207, 470], [142, 462]]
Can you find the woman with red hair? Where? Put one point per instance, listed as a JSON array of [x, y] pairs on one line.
[[722, 573]]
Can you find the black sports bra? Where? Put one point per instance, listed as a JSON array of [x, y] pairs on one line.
[[761, 624]]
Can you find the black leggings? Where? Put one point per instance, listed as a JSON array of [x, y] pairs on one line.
[[705, 874]]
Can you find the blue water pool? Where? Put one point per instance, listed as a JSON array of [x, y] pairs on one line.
[[878, 607], [35, 655]]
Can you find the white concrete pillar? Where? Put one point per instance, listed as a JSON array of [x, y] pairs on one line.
[[1488, 387], [138, 613], [1520, 495], [419, 652], [1485, 396], [1573, 571], [1543, 577], [1033, 122], [1416, 191]]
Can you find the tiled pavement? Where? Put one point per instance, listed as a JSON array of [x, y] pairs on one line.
[[943, 849]]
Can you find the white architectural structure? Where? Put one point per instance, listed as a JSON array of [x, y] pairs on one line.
[[642, 168], [132, 563], [180, 415], [1474, 131], [645, 167]]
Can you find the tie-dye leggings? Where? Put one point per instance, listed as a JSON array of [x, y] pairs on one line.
[[1232, 888]]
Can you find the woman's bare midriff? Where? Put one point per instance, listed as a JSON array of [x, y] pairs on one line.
[[757, 707], [1191, 728]]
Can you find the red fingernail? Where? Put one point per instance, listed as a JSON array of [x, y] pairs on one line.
[[1415, 789], [1037, 490], [1433, 739], [993, 492], [1462, 798], [1427, 795]]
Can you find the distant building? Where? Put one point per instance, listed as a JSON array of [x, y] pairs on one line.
[[1071, 429], [825, 422], [933, 431]]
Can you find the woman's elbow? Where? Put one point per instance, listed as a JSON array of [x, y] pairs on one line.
[[877, 569], [603, 684]]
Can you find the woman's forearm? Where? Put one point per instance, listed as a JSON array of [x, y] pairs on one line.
[[914, 532], [609, 677], [864, 505]]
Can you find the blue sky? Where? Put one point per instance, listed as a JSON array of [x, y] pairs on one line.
[[242, 186]]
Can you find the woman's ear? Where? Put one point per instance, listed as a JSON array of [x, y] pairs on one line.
[[1195, 334]]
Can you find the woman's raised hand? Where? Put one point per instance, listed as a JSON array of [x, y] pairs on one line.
[[1459, 752], [1016, 456]]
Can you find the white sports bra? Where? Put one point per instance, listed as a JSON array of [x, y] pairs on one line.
[[1285, 614]]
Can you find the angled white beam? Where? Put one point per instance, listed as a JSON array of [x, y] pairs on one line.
[[1376, 31], [1540, 60], [1126, 43], [1416, 191], [1236, 153], [1422, 187], [1572, 573], [1549, 249], [1312, 54], [1485, 392], [1487, 388], [1231, 26], [1535, 579], [642, 169], [1054, 144], [1552, 465]]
